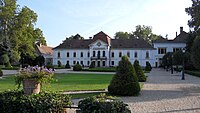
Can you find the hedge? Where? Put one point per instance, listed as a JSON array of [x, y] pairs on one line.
[[44, 102]]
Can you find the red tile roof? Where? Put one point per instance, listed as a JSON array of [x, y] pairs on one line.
[[45, 49], [115, 43]]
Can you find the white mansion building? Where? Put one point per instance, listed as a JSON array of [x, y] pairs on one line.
[[106, 52]]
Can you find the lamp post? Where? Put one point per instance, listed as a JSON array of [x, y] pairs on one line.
[[183, 76]]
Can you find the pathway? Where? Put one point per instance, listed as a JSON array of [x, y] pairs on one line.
[[164, 92]]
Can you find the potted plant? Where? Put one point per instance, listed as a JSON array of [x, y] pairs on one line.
[[32, 78]]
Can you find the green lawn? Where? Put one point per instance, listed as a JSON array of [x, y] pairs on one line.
[[67, 82]]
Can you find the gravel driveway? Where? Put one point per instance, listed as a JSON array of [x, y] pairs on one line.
[[164, 92]]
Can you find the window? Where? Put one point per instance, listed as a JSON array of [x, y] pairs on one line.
[[58, 54], [88, 54], [67, 54], [128, 54], [88, 63], [74, 62], [74, 54], [176, 49], [81, 62], [162, 50], [136, 55], [113, 63], [81, 54], [113, 54], [104, 63], [147, 54], [120, 54], [104, 53], [94, 53], [99, 54]]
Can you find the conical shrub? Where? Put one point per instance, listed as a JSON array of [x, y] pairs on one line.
[[139, 72], [125, 81]]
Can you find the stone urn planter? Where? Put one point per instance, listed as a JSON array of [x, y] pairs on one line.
[[31, 86]]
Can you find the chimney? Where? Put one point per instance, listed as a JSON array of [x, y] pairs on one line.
[[181, 29], [176, 34]]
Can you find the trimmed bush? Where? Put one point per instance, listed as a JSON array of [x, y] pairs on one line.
[[8, 65], [59, 64], [92, 65], [67, 66], [139, 72], [4, 59], [125, 81], [1, 73], [77, 67], [148, 67], [49, 65], [16, 102], [102, 104]]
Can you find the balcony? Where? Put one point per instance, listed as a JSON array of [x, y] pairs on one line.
[[99, 58]]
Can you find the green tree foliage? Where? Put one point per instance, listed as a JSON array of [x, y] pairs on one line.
[[178, 58], [125, 81], [92, 65], [1, 73], [148, 67], [139, 72], [195, 55], [194, 12], [4, 59], [122, 35], [59, 64], [167, 59], [38, 34], [144, 32], [17, 30], [77, 36], [77, 67], [67, 66]]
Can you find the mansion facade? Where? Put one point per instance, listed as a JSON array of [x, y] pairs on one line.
[[106, 52]]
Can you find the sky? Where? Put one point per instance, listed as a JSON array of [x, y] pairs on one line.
[[59, 19]]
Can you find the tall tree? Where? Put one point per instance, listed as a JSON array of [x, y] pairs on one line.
[[196, 52], [193, 40], [38, 35], [122, 35], [144, 32], [194, 12], [7, 12], [17, 32]]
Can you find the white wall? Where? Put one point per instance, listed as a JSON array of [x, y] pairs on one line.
[[169, 48], [63, 56], [141, 56]]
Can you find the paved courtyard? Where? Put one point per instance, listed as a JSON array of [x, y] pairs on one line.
[[164, 92]]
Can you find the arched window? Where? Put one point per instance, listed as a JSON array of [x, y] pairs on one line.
[[120, 54], [81, 54], [58, 54], [93, 54], [67, 54], [136, 55], [128, 54], [147, 54]]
